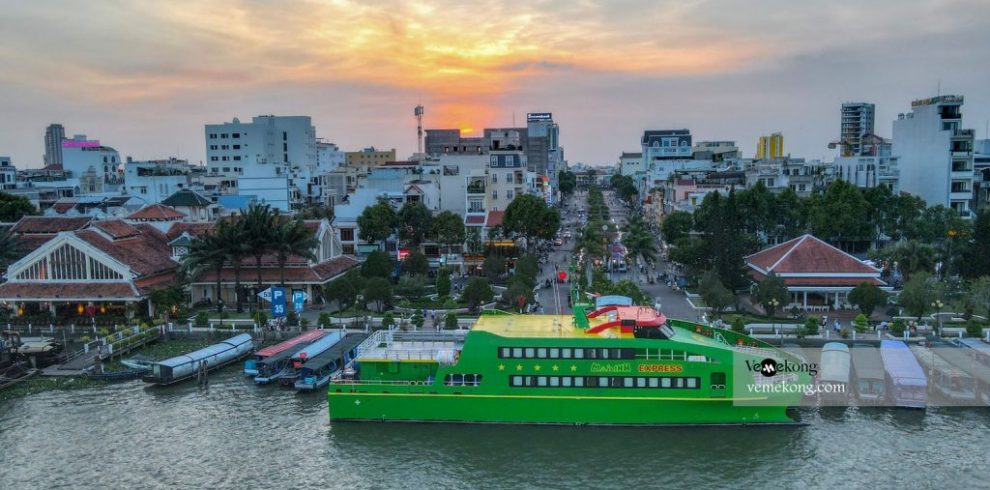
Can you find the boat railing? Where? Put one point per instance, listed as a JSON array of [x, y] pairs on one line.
[[375, 341], [760, 351], [341, 381]]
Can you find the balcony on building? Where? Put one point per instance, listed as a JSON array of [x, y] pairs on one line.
[[476, 186]]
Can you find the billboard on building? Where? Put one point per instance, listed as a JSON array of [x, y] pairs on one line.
[[538, 116]]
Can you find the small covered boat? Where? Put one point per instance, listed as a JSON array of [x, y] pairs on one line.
[[834, 374], [870, 387], [954, 384], [906, 380], [318, 371], [311, 351], [186, 366], [271, 358]]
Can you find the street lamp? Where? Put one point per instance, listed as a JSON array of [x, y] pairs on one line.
[[774, 303], [937, 304]]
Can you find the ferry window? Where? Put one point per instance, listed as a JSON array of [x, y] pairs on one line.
[[541, 353], [541, 380], [654, 382], [603, 382], [718, 379], [554, 353], [627, 382], [628, 353], [517, 352], [665, 382], [680, 382], [615, 353], [692, 382], [517, 381], [566, 381], [504, 352], [602, 353], [554, 381], [530, 380], [458, 379], [641, 382], [530, 353], [617, 382], [446, 380], [579, 353], [565, 353], [477, 380], [579, 382], [468, 380]]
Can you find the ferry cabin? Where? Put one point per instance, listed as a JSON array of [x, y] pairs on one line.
[[544, 369]]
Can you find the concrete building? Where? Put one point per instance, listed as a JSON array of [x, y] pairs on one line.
[[934, 154], [54, 134], [154, 180], [8, 174], [857, 121], [716, 151], [90, 165], [981, 167], [450, 141], [770, 146], [369, 157], [543, 152], [778, 174], [506, 178], [665, 144], [872, 166], [631, 163]]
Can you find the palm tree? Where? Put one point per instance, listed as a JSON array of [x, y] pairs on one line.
[[639, 242], [259, 224], [207, 251], [292, 237], [233, 234]]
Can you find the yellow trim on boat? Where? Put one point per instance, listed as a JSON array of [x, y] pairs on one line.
[[569, 397]]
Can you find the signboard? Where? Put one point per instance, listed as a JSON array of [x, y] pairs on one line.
[[278, 302], [266, 295], [538, 116], [298, 300]]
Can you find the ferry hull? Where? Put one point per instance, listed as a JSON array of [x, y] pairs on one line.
[[568, 410]]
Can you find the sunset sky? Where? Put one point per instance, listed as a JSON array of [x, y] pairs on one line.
[[144, 77]]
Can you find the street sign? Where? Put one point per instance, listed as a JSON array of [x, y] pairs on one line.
[[298, 300], [278, 302], [266, 295]]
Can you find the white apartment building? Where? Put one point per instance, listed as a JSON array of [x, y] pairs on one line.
[[631, 163], [91, 166], [267, 147], [934, 155], [506, 178], [8, 174], [154, 180]]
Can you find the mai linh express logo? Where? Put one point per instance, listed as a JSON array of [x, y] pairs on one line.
[[771, 367]]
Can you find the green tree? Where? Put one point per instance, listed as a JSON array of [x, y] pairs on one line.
[[292, 239], [974, 328], [415, 222], [715, 295], [841, 214], [450, 321], [377, 222], [677, 225], [412, 288], [378, 290], [527, 268], [515, 290], [917, 295], [232, 235], [771, 293], [377, 264], [639, 242], [473, 239], [811, 326], [897, 327], [13, 208], [443, 282], [977, 249], [259, 226], [344, 289], [566, 182], [493, 267], [415, 264], [529, 217], [738, 325], [476, 292], [448, 230], [388, 320], [867, 297], [207, 252], [165, 299], [978, 294]]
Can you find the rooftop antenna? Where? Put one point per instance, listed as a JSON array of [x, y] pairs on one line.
[[938, 90], [418, 112]]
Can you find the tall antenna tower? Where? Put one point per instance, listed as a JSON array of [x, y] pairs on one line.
[[418, 112]]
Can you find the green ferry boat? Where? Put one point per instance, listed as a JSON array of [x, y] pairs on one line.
[[618, 365]]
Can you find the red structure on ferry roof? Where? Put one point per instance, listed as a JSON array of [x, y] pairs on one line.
[[310, 336], [628, 318]]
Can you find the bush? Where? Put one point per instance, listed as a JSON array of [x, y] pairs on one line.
[[974, 328], [202, 319], [417, 320], [897, 328], [292, 319], [85, 339], [103, 332], [388, 320], [738, 325], [260, 317], [450, 304], [860, 323], [304, 322], [844, 333], [450, 321], [324, 320], [811, 326]]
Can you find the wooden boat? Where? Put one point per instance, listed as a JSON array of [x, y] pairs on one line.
[[138, 363], [272, 362], [870, 387], [908, 386], [951, 382], [318, 371], [16, 374], [118, 375], [964, 359], [304, 355], [186, 366]]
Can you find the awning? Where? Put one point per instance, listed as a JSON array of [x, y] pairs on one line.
[[367, 249], [500, 243]]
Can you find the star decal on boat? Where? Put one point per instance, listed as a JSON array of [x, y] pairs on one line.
[[537, 367], [518, 367], [556, 367], [501, 367], [573, 368]]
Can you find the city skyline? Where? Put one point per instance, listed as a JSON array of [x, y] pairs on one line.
[[145, 80]]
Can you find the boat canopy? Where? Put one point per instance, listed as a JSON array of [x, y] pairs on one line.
[[603, 301], [959, 358], [866, 362], [835, 362], [336, 352], [901, 365], [318, 347], [205, 352], [307, 337]]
